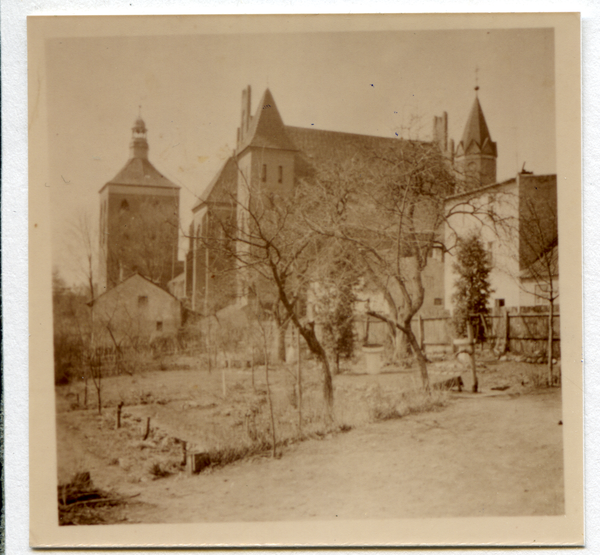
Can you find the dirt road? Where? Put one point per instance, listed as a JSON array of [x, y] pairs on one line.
[[488, 456]]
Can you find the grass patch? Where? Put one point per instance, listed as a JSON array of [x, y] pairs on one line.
[[387, 405], [79, 502]]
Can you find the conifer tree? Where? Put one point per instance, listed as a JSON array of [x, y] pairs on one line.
[[473, 288]]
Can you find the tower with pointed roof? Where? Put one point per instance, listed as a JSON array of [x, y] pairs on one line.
[[263, 164], [476, 153], [139, 215]]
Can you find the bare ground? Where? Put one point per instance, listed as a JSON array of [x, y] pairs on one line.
[[492, 454]]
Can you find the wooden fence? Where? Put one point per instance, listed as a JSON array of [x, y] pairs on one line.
[[525, 334]]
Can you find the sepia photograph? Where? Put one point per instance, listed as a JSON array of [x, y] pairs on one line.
[[298, 280]]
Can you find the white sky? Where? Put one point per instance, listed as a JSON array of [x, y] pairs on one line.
[[363, 82], [14, 200]]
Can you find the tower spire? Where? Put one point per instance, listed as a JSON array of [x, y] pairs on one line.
[[476, 153], [139, 142]]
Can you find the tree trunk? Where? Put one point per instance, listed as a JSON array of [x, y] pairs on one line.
[[550, 340], [401, 347], [281, 355], [252, 370], [269, 396], [99, 391], [473, 345], [299, 385], [421, 360], [308, 332], [327, 385]]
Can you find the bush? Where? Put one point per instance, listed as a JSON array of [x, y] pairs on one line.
[[473, 288]]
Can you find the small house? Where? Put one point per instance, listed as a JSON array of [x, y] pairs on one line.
[[135, 312]]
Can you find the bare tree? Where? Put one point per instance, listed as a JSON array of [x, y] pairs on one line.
[[388, 204], [272, 251], [538, 236], [83, 246]]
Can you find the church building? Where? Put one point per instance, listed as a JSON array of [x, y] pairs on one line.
[[274, 157], [139, 220]]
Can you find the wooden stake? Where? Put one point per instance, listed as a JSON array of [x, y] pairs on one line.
[[473, 365], [299, 377], [147, 429], [119, 407], [184, 452]]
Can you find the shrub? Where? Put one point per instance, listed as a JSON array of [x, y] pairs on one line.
[[473, 288]]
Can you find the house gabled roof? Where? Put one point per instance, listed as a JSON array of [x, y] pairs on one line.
[[120, 285], [480, 190], [267, 129]]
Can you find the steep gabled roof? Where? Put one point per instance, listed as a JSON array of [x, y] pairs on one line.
[[317, 146], [139, 171], [476, 138], [267, 129], [224, 183]]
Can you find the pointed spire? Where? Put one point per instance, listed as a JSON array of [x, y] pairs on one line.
[[476, 137]]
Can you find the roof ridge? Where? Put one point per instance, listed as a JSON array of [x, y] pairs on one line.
[[351, 133]]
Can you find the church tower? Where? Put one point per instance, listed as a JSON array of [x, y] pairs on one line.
[[139, 220], [476, 154]]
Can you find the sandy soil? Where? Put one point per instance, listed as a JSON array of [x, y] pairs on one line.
[[495, 454]]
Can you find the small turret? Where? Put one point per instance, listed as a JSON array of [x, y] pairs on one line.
[[139, 142]]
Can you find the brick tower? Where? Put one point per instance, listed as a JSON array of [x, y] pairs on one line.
[[139, 219]]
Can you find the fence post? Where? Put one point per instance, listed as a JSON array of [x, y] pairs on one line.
[[473, 364], [421, 333]]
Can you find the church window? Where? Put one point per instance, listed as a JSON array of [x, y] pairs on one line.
[[159, 326], [437, 301], [280, 178], [264, 173], [124, 205], [142, 300]]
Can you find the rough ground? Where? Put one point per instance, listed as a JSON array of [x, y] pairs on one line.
[[495, 454]]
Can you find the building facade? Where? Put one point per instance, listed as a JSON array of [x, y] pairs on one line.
[[139, 220], [517, 222], [135, 312], [272, 157]]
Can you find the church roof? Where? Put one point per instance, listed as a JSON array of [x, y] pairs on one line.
[[321, 146], [139, 171], [476, 138], [267, 129], [224, 182]]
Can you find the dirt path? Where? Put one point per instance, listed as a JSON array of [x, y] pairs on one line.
[[488, 456]]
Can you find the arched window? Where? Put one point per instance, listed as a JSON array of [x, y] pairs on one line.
[[124, 205]]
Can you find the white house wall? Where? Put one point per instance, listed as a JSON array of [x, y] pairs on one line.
[[501, 240]]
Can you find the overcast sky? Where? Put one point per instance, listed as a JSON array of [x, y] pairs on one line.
[[189, 87]]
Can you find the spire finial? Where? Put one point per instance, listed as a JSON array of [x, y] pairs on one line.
[[476, 79], [140, 110]]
